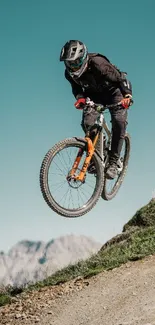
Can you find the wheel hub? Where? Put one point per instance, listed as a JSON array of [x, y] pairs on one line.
[[73, 182]]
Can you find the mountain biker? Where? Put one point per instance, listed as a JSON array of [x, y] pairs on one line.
[[92, 75]]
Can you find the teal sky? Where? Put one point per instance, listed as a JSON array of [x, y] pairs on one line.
[[37, 110]]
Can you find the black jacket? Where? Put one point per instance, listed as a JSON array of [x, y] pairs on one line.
[[101, 81]]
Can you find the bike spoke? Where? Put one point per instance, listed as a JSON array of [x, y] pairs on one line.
[[59, 186], [89, 184], [65, 196], [69, 194], [81, 197], [70, 160], [78, 198], [71, 198], [59, 168], [62, 163], [57, 174], [84, 194]]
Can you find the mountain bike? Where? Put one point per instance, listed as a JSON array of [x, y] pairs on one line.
[[67, 185]]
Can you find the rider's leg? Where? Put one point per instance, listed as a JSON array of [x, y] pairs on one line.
[[119, 123], [88, 118]]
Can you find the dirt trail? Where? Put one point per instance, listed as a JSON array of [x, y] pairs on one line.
[[123, 296]]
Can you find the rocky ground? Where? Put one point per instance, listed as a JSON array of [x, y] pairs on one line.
[[122, 296]]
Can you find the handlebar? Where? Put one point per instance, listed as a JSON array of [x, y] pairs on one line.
[[100, 107]]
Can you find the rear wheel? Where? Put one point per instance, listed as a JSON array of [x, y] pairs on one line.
[[111, 187], [69, 198]]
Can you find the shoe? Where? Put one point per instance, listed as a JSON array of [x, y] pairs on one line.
[[112, 169]]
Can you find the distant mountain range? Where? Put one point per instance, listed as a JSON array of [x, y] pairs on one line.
[[29, 261]]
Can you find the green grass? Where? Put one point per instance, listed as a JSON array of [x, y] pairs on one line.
[[136, 241], [144, 217], [4, 299]]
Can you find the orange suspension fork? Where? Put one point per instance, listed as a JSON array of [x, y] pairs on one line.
[[76, 162], [90, 152]]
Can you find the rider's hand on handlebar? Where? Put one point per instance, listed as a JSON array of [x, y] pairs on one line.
[[127, 101], [80, 103]]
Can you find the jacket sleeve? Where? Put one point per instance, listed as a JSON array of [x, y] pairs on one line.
[[77, 90], [110, 74]]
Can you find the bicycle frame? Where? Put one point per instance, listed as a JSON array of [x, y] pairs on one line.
[[91, 145]]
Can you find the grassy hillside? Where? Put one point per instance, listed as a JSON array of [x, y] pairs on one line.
[[136, 241]]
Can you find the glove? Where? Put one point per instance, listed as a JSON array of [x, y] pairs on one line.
[[80, 103], [127, 101]]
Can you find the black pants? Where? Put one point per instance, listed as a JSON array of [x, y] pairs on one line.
[[119, 123]]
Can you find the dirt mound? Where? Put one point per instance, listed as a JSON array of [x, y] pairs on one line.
[[122, 296]]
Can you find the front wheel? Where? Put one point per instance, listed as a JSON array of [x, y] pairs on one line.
[[69, 198], [111, 187]]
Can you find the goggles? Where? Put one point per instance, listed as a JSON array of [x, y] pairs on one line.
[[76, 64]]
